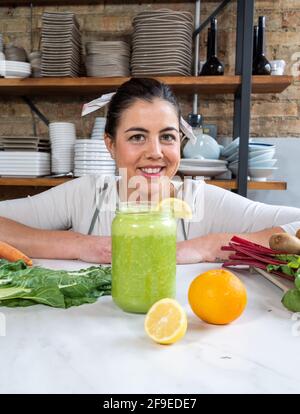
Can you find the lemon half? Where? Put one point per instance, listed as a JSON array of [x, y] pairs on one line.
[[166, 322], [179, 208]]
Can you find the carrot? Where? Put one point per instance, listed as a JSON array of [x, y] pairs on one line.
[[12, 254]]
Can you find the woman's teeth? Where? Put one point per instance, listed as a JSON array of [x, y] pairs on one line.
[[151, 170]]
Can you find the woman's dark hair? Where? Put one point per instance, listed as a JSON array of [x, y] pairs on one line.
[[146, 89]]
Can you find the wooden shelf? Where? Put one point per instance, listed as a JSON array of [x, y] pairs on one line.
[[22, 3], [180, 84], [252, 185], [227, 184], [32, 182]]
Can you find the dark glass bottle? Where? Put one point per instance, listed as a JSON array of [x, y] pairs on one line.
[[255, 41], [208, 44], [261, 65], [213, 66]]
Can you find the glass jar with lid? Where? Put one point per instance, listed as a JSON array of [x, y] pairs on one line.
[[143, 256]]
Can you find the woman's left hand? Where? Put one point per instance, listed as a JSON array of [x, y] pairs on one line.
[[202, 249], [191, 251]]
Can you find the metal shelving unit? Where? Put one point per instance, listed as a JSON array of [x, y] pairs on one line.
[[243, 68], [241, 85]]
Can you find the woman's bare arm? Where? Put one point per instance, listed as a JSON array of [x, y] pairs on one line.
[[52, 244], [208, 248]]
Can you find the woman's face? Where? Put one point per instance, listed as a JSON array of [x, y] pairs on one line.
[[147, 142]]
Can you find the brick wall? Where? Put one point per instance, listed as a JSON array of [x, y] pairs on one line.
[[272, 115]]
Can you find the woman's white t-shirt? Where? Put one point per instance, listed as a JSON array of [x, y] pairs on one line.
[[71, 206]]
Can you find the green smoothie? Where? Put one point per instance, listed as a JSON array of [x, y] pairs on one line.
[[143, 258]]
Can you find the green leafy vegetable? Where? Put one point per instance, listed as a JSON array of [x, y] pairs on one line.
[[291, 267], [21, 285], [291, 300]]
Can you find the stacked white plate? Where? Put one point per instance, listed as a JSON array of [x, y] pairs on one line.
[[14, 69], [202, 168], [92, 157], [261, 162], [107, 58], [162, 43], [25, 144], [62, 137], [61, 44], [24, 163], [99, 127]]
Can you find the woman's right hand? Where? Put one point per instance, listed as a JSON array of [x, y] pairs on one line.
[[95, 249]]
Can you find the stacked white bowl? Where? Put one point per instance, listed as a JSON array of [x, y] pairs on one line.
[[98, 130], [261, 160], [62, 137], [92, 157]]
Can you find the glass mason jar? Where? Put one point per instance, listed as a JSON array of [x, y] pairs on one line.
[[143, 257]]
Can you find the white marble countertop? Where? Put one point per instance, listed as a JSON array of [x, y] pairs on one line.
[[100, 349]]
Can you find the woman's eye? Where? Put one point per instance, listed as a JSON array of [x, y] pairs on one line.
[[137, 138], [168, 138]]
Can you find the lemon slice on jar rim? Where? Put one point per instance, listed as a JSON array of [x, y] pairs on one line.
[[166, 322], [179, 208]]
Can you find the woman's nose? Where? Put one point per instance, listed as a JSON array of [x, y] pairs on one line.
[[154, 149]]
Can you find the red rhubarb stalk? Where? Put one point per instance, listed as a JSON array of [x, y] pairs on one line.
[[246, 253], [265, 259], [239, 240]]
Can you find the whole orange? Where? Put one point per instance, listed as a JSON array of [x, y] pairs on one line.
[[217, 296]]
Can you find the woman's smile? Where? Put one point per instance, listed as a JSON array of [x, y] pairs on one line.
[[152, 171]]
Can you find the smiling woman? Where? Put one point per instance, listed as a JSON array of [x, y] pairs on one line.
[[142, 132], [143, 135]]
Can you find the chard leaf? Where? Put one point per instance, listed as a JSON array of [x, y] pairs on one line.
[[12, 292], [6, 266], [21, 285], [48, 295], [14, 303]]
